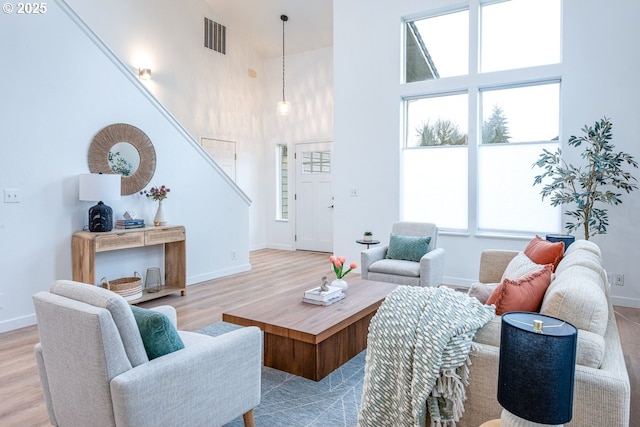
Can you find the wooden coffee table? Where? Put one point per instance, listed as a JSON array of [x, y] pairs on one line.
[[310, 340]]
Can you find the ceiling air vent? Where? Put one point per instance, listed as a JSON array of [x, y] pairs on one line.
[[215, 36]]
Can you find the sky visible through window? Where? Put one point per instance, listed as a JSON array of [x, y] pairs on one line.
[[447, 40], [513, 34]]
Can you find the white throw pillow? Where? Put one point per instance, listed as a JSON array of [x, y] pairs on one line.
[[520, 266], [482, 291], [577, 297]]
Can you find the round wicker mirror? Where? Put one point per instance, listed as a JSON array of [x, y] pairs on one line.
[[101, 156]]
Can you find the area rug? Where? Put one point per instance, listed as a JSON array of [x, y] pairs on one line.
[[291, 401]]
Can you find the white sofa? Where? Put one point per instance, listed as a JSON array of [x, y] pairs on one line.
[[579, 294]]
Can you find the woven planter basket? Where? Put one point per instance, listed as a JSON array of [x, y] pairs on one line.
[[129, 288]]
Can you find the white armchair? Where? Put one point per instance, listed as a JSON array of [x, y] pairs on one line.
[[94, 369], [428, 271]]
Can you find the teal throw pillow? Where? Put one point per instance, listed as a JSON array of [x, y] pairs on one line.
[[159, 336], [408, 248]]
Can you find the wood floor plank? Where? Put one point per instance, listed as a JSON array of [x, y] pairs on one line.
[[273, 271]]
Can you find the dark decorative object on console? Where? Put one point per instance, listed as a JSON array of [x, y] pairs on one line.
[[98, 186], [100, 217]]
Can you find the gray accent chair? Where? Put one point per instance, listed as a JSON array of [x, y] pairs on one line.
[[94, 369], [428, 272]]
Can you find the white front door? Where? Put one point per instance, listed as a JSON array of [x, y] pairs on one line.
[[314, 197]]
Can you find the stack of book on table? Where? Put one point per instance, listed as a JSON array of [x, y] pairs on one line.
[[129, 223], [319, 297]]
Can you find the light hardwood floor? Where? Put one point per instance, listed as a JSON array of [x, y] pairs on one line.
[[21, 401]]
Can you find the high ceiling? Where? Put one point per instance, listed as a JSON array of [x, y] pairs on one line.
[[310, 24]]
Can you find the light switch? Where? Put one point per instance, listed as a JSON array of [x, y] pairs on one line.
[[11, 196]]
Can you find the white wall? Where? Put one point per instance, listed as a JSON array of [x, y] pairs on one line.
[[210, 94], [309, 88], [600, 78], [213, 96], [58, 90]]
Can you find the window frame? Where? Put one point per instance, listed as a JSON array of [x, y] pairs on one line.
[[282, 194], [473, 84]]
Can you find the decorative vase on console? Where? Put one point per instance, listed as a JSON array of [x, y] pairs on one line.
[[159, 218], [338, 267], [158, 194]]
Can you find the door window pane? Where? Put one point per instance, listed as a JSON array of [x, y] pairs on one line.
[[316, 162], [520, 33], [437, 47], [441, 120]]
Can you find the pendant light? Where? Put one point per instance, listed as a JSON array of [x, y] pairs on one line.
[[284, 106]]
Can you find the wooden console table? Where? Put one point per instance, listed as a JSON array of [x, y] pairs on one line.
[[85, 245]]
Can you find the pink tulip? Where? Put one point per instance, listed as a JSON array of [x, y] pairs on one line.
[[337, 263], [332, 258], [353, 265], [342, 259]]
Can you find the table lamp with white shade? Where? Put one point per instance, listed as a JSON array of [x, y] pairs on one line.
[[96, 187], [536, 370]]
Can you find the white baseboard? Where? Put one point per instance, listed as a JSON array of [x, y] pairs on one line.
[[458, 281], [280, 247], [192, 280], [626, 302], [17, 323], [24, 321]]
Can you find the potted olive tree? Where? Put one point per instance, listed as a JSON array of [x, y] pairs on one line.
[[601, 180]]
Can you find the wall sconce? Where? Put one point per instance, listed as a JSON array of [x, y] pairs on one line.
[[144, 73]]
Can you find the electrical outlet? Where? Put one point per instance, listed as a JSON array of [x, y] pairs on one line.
[[233, 255], [618, 279], [354, 192], [11, 196]]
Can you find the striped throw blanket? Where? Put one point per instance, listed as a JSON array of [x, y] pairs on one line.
[[418, 356]]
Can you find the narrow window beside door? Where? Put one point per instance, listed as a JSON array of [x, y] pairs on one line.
[[283, 182]]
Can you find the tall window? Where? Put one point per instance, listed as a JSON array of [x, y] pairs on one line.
[[473, 134], [517, 124], [282, 160], [441, 124]]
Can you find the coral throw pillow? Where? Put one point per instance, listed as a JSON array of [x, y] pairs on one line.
[[523, 294], [541, 251]]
